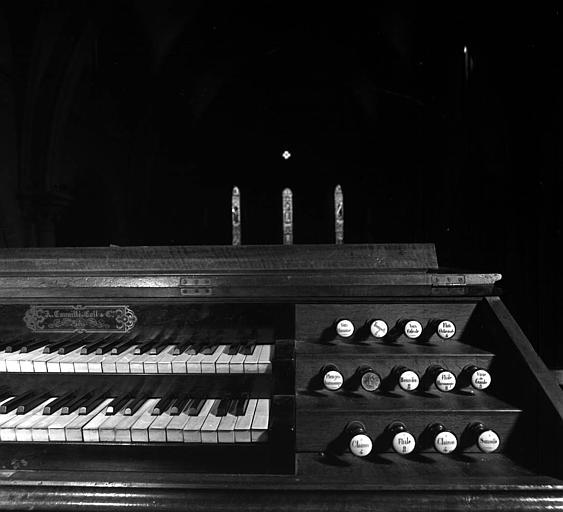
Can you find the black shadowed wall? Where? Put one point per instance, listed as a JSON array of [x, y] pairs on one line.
[[129, 122]]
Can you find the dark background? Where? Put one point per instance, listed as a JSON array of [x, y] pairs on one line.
[[129, 122]]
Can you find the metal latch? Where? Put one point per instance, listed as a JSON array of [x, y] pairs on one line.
[[448, 280]]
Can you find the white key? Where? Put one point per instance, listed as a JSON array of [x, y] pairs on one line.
[[194, 363], [8, 428], [23, 430], [66, 364], [109, 363], [140, 429], [251, 361], [208, 362], [192, 428], [39, 430], [8, 415], [15, 361], [3, 361], [210, 425], [53, 364], [237, 363], [137, 363], [226, 429], [157, 429], [123, 430], [222, 364], [174, 428], [260, 421], [40, 362], [95, 363], [165, 360], [106, 431], [90, 431], [73, 431], [122, 363], [265, 360], [179, 364], [244, 423], [57, 428]]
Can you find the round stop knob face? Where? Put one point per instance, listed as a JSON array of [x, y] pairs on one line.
[[403, 443], [371, 381], [360, 445], [488, 441], [481, 379], [445, 381], [379, 328], [446, 329], [445, 442], [333, 380], [413, 329], [408, 381], [344, 328]]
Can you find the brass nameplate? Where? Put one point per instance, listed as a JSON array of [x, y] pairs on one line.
[[77, 318]]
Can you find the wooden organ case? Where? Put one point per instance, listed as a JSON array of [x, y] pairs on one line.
[[341, 377]]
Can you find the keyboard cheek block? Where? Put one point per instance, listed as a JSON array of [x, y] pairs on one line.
[[341, 377]]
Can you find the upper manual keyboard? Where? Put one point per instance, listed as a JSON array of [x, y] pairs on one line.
[[125, 354]]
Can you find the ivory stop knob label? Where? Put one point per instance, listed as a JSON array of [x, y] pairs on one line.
[[445, 442], [488, 441], [344, 328], [445, 329], [360, 445], [333, 380], [379, 328], [413, 329], [403, 443], [445, 381], [408, 380], [481, 379]]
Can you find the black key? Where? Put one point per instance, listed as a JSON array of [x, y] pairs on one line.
[[75, 403], [73, 344], [195, 406], [12, 404], [191, 350], [15, 344], [111, 342], [54, 345], [250, 348], [124, 345], [55, 405], [233, 349], [91, 347], [32, 345], [145, 346], [207, 350], [179, 405], [181, 344], [242, 405], [91, 404], [162, 405], [223, 407], [157, 348], [32, 403], [133, 406], [117, 404]]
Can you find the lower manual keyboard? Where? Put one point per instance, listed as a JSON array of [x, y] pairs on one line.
[[96, 419]]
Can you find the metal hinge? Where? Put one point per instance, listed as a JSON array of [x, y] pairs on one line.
[[448, 280], [195, 286]]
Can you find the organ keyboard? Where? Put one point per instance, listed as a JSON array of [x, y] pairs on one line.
[[310, 377]]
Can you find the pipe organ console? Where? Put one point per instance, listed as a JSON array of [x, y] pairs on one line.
[[283, 377]]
